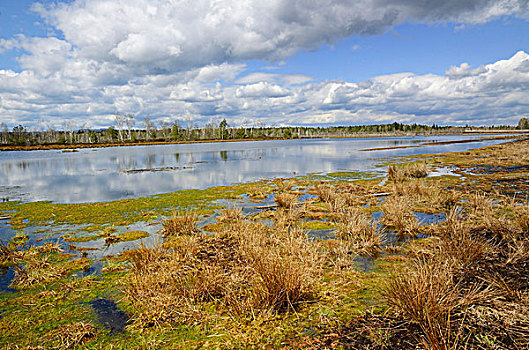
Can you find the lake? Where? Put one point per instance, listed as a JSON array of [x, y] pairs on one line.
[[104, 174]]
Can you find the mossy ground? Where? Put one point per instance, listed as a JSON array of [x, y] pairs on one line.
[[32, 315]]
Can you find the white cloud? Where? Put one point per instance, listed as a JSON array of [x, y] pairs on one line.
[[169, 58], [262, 89]]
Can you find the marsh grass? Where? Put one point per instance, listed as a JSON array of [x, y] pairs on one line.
[[181, 223], [428, 294], [401, 173], [363, 234], [284, 185], [37, 269], [232, 216], [398, 214], [70, 336], [325, 193], [286, 200], [247, 270]]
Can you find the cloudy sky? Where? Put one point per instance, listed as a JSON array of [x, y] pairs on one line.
[[256, 62]]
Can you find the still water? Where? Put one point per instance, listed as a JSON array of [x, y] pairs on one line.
[[104, 174]]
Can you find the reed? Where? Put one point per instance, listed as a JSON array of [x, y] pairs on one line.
[[181, 223], [362, 234]]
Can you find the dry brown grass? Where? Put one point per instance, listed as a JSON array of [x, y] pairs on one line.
[[401, 173], [428, 294], [459, 244], [285, 219], [284, 185], [325, 192], [246, 270], [182, 223], [286, 200], [398, 214], [36, 270], [363, 234], [522, 218], [480, 204], [232, 216], [72, 335], [286, 268]]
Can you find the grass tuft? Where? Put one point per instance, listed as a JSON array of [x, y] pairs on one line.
[[180, 223]]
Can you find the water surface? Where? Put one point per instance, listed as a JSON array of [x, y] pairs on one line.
[[104, 174]]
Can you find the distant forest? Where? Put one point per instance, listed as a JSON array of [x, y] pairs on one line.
[[124, 131]]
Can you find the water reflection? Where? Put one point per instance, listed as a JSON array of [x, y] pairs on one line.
[[124, 172]]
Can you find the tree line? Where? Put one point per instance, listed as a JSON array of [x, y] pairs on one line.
[[125, 130]]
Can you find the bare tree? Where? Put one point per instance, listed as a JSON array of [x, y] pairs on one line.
[[148, 125], [129, 120], [5, 132], [119, 119]]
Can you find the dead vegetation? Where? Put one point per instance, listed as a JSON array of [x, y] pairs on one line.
[[398, 214], [247, 270], [181, 223], [462, 290], [72, 335], [363, 234], [401, 173]]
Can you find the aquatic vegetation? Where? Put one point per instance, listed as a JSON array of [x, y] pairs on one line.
[[363, 234], [398, 214], [286, 200], [180, 223], [407, 171]]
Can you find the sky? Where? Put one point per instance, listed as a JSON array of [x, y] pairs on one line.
[[263, 63]]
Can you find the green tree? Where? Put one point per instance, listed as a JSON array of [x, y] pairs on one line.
[[222, 129], [523, 124]]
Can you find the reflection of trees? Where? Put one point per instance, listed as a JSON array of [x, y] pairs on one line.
[[224, 155]]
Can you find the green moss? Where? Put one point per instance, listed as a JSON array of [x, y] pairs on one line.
[[132, 235], [82, 239], [318, 225]]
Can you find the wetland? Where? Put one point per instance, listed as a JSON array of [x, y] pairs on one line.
[[342, 243]]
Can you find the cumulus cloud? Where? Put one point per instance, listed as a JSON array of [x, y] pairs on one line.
[[262, 89], [171, 58]]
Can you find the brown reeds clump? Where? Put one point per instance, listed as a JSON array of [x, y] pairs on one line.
[[286, 200], [398, 214], [326, 193], [285, 266], [37, 269], [284, 185], [428, 294], [72, 335], [401, 173], [231, 216], [246, 270], [181, 223], [363, 234]]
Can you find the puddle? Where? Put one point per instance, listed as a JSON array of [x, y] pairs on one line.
[[430, 219], [321, 234], [110, 315], [444, 171], [6, 276], [364, 263]]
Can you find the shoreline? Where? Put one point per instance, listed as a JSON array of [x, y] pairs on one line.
[[73, 147]]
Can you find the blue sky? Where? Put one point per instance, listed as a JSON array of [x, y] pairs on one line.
[[279, 63]]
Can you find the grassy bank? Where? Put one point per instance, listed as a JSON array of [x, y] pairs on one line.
[[438, 262]]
